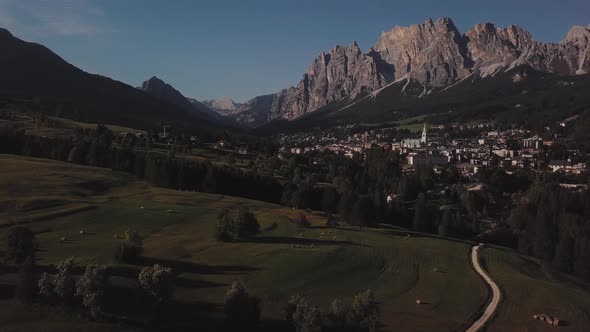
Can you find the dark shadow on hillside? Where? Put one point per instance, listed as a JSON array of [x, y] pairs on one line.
[[134, 307], [179, 266], [298, 241]]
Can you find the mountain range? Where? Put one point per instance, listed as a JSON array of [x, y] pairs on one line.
[[420, 67], [429, 57]]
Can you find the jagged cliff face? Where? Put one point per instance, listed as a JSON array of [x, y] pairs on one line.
[[493, 49], [433, 55], [344, 72]]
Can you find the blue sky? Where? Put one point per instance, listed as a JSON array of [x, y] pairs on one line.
[[245, 48]]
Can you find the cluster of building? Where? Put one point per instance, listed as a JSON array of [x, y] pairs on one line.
[[510, 149]]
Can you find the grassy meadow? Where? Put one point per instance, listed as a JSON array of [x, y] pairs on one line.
[[57, 199]]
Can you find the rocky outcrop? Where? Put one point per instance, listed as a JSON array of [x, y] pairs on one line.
[[344, 72], [433, 55], [223, 106]]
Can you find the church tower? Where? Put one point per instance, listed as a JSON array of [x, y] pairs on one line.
[[424, 139]]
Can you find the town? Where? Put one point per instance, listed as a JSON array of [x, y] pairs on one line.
[[510, 149]]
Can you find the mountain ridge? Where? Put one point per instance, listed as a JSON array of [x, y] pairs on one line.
[[433, 54]]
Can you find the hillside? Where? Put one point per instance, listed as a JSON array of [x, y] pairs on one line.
[[283, 260], [34, 73], [521, 95]]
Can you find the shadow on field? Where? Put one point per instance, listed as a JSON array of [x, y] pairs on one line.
[[133, 307], [189, 267], [298, 241]]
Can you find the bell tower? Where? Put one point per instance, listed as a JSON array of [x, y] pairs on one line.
[[424, 139]]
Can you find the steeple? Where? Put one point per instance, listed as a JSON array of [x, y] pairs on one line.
[[424, 139]]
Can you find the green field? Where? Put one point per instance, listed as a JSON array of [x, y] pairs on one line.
[[529, 289], [276, 264]]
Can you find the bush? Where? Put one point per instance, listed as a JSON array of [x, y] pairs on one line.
[[236, 225], [90, 287], [21, 244], [242, 309], [131, 249], [364, 312]]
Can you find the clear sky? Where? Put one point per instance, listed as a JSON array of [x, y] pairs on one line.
[[244, 48]]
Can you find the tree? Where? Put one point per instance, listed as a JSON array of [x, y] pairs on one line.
[[301, 220], [224, 227], [345, 205], [158, 282], [210, 182], [26, 286], [338, 313], [64, 282], [46, 285], [329, 200], [307, 318], [445, 222], [21, 244], [421, 214], [246, 223], [242, 309], [90, 287], [360, 211], [236, 225], [364, 312], [291, 306], [131, 248]]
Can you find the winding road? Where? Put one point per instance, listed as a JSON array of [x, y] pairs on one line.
[[496, 294]]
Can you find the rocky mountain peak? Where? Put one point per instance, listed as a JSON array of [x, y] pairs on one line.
[[430, 53], [224, 106], [578, 33], [432, 56]]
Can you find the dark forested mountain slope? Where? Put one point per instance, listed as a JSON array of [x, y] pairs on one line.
[[32, 71]]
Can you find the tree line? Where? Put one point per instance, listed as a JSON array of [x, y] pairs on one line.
[[157, 168]]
